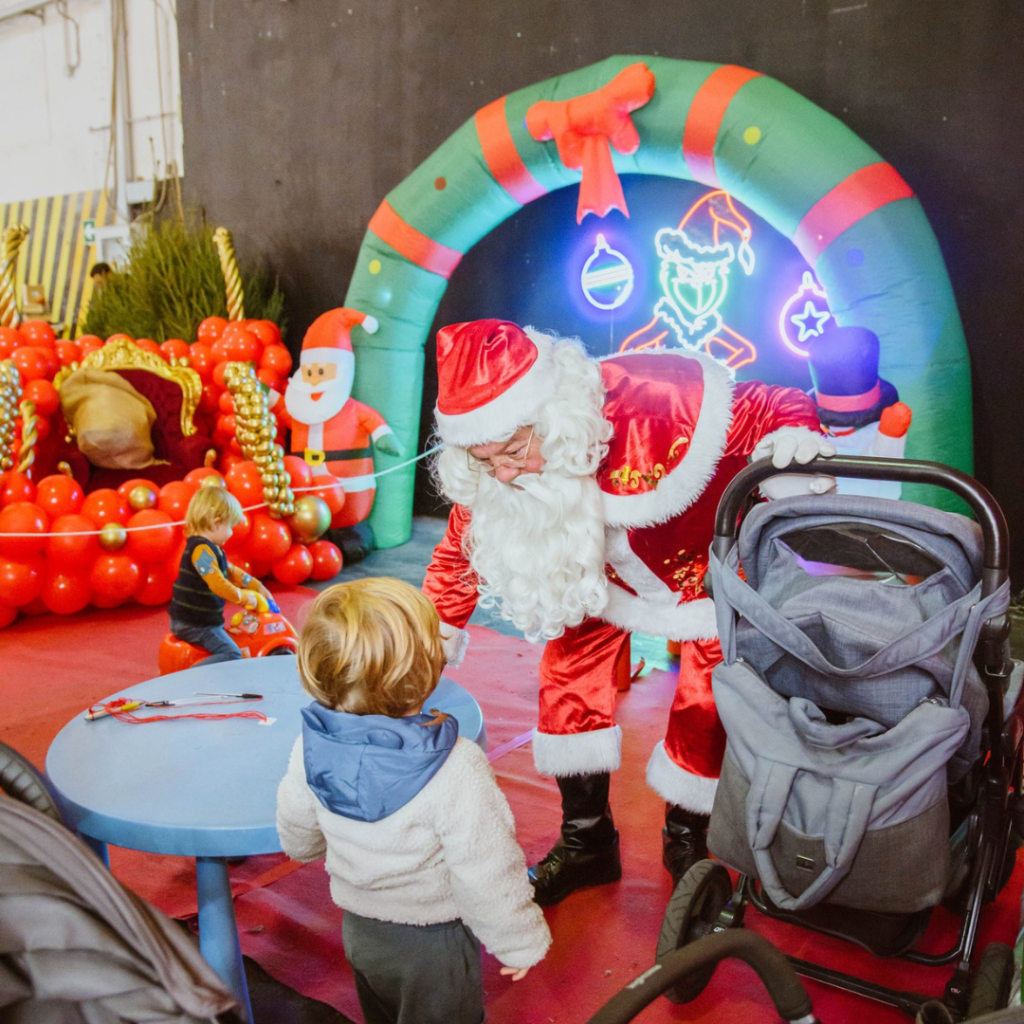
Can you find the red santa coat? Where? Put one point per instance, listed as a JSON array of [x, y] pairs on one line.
[[682, 430], [341, 446]]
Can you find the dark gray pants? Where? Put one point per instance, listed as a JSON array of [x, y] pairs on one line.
[[415, 974], [215, 639]]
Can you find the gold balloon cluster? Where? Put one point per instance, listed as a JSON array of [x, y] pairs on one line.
[[29, 436], [256, 428], [10, 395]]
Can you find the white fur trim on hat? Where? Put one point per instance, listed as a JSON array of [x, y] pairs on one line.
[[580, 753], [340, 356], [677, 786], [370, 324], [518, 405], [685, 484]]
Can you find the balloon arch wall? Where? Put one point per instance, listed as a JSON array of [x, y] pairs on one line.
[[853, 218]]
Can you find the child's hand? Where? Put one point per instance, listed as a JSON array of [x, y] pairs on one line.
[[517, 973], [249, 600]]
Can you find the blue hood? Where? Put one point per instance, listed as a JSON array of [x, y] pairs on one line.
[[368, 766]]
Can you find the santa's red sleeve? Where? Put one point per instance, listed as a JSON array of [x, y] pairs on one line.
[[761, 409], [451, 585], [369, 419]]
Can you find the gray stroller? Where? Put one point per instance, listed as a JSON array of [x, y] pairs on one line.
[[873, 762]]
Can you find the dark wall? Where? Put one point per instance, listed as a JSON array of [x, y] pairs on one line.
[[301, 115]]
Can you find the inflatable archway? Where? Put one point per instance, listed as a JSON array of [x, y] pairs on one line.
[[851, 215]]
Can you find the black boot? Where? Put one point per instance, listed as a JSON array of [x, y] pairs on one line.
[[587, 852], [684, 840]]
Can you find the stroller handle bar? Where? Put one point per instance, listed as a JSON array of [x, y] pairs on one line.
[[989, 515], [787, 992]]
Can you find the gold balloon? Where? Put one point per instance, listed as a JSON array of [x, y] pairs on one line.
[[142, 497], [213, 480], [113, 537]]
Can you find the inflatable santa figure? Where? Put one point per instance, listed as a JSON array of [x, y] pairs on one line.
[[585, 494], [862, 412], [331, 430]]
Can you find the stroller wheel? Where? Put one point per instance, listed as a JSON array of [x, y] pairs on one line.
[[990, 988], [692, 912]]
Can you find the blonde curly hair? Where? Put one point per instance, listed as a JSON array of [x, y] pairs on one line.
[[371, 647]]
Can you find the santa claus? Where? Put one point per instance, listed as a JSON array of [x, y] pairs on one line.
[[584, 499], [331, 430]]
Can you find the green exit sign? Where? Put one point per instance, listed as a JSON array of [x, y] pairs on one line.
[[89, 231]]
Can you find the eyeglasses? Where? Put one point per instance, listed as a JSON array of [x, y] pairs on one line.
[[513, 460]]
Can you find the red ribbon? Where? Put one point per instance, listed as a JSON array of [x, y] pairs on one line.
[[849, 403], [585, 127]]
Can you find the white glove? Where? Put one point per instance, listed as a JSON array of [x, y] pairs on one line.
[[796, 443]]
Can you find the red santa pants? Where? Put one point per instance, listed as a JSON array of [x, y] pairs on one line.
[[578, 688]]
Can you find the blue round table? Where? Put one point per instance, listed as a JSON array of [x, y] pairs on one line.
[[203, 789]]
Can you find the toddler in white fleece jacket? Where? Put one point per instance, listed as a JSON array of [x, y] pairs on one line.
[[419, 840]]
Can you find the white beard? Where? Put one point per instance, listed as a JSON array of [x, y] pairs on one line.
[[302, 407], [538, 548]]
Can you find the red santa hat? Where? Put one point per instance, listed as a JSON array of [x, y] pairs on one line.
[[493, 377], [330, 335]]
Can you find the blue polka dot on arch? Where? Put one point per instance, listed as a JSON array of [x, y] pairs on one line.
[[855, 257]]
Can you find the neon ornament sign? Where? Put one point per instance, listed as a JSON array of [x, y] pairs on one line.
[[607, 276], [802, 317]]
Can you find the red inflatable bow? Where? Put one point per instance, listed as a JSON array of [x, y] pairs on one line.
[[584, 127]]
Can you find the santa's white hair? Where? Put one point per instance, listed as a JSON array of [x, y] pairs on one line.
[[537, 544]]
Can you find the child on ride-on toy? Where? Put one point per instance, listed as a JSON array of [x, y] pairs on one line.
[[420, 842], [206, 579]]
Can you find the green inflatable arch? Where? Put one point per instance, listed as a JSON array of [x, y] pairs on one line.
[[851, 215]]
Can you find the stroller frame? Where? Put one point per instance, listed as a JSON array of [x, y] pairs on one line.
[[991, 813]]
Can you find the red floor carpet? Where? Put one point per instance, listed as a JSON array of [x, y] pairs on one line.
[[53, 667]]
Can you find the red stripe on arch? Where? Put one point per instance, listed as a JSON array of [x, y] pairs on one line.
[[502, 157], [415, 246], [851, 200], [704, 119]]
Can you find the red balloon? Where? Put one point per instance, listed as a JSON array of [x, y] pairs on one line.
[[128, 486], [218, 373], [276, 358], [157, 586], [245, 482], [121, 337], [295, 567], [89, 343], [272, 379], [10, 339], [33, 363], [35, 607], [299, 471], [201, 359], [21, 582], [330, 489], [44, 394], [227, 424], [68, 352], [59, 495], [266, 330], [7, 615], [22, 517], [327, 560], [196, 477], [225, 403], [69, 547], [149, 345], [210, 400], [239, 345], [65, 592], [15, 486], [106, 506], [269, 539], [38, 333], [240, 533], [174, 348], [174, 499], [114, 578], [156, 541], [211, 329]]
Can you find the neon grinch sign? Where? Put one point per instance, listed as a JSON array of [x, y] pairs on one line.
[[607, 276], [804, 315]]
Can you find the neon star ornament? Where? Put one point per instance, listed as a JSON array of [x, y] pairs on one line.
[[804, 315], [607, 276]]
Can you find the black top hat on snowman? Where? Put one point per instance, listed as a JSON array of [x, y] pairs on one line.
[[844, 370]]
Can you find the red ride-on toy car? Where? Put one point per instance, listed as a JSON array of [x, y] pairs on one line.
[[258, 634]]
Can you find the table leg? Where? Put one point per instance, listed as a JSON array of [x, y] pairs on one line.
[[218, 931]]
